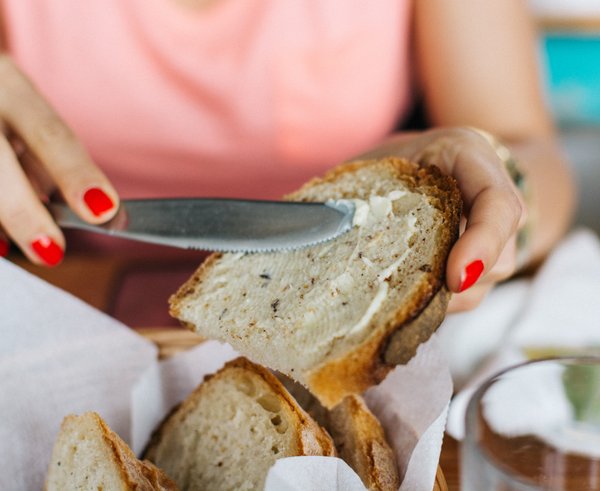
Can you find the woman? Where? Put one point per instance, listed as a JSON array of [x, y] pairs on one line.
[[207, 97]]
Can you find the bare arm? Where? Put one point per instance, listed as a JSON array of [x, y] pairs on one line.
[[478, 67]]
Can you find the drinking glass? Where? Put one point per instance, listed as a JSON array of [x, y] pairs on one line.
[[535, 426]]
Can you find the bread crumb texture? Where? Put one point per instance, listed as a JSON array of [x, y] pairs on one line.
[[232, 429], [299, 311]]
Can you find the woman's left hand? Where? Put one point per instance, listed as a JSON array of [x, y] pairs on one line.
[[493, 208]]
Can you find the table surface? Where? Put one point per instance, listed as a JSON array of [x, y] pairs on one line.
[[93, 280]]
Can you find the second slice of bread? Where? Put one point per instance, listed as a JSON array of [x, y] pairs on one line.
[[88, 455], [338, 316], [357, 434], [229, 432], [361, 442]]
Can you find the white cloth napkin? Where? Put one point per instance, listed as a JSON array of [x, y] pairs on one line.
[[60, 356], [558, 310], [57, 356]]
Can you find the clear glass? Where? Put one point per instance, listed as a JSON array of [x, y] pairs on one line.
[[535, 426]]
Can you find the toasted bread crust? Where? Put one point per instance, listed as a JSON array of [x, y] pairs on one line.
[[139, 475], [358, 436], [368, 363], [361, 442], [403, 343], [136, 475]]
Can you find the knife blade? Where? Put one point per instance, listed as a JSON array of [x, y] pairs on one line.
[[220, 224]]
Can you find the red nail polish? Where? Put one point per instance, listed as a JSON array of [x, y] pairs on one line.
[[4, 247], [47, 250], [471, 274], [97, 201]]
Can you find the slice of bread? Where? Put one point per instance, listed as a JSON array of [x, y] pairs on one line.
[[229, 432], [88, 455], [338, 316], [357, 434], [361, 442]]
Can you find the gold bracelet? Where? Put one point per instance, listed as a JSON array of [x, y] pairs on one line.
[[520, 182]]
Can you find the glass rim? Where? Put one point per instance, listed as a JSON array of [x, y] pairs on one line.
[[471, 410], [470, 441]]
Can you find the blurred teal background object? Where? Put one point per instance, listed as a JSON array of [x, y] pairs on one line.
[[572, 63], [570, 58]]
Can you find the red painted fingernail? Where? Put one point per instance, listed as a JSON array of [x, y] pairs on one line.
[[471, 274], [97, 201], [47, 250], [4, 247]]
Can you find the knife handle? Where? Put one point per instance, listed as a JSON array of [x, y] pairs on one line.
[[66, 218]]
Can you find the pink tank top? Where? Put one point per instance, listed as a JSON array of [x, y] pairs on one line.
[[241, 98]]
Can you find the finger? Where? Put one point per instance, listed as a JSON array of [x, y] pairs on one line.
[[84, 187], [22, 215], [505, 265], [4, 244], [468, 300], [504, 268], [492, 221], [37, 175], [494, 212]]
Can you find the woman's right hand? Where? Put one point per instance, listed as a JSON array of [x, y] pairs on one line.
[[40, 157]]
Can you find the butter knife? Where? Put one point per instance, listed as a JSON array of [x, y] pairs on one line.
[[218, 224]]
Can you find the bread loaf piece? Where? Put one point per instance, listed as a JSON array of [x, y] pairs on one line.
[[357, 434], [88, 455], [361, 442], [229, 432], [338, 316]]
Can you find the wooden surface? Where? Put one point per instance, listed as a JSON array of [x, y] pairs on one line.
[[449, 462]]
